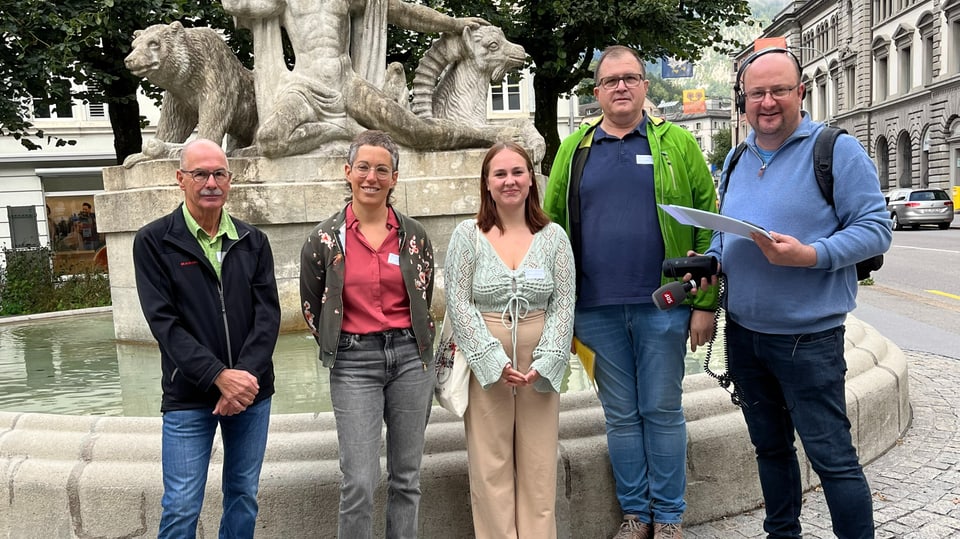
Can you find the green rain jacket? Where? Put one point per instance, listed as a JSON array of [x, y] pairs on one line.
[[681, 177]]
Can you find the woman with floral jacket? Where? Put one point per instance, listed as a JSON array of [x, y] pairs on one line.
[[366, 283]]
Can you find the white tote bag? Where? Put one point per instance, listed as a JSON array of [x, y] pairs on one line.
[[453, 373]]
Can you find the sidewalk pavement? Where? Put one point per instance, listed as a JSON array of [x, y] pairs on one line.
[[915, 485]]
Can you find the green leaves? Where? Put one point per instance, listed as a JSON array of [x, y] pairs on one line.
[[562, 36], [84, 43], [29, 283], [721, 147]]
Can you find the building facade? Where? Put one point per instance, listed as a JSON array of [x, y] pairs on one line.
[[887, 71], [704, 126], [47, 195]]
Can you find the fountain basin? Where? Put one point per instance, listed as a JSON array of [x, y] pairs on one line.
[[81, 476]]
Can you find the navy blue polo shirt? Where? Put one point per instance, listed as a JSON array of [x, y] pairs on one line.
[[621, 253]]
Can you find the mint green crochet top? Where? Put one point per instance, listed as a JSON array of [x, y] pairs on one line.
[[477, 281]]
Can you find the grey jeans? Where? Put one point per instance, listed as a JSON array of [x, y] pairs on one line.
[[380, 378]]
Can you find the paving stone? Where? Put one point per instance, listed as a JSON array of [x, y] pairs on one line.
[[915, 485]]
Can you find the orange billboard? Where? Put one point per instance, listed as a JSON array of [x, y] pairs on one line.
[[695, 101]]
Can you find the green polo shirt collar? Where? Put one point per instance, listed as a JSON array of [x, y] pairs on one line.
[[212, 246]]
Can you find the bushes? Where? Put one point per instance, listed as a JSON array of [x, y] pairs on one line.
[[29, 284]]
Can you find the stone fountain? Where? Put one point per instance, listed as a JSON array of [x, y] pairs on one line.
[[75, 476]]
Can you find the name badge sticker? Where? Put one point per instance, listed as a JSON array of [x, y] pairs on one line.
[[393, 258], [534, 274], [644, 159]]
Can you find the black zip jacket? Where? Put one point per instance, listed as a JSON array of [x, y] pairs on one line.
[[204, 325]]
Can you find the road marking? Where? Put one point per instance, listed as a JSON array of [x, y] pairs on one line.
[[944, 294], [930, 300], [926, 249]]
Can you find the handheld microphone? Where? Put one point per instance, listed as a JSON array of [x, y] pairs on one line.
[[672, 294]]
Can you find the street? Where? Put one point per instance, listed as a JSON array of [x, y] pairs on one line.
[[915, 301]]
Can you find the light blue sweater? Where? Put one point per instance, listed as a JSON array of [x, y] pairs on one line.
[[785, 198]]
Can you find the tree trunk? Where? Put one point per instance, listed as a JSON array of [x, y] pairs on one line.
[[545, 117], [125, 117]]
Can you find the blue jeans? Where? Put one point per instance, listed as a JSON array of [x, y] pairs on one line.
[[380, 378], [187, 442], [792, 382], [639, 373]]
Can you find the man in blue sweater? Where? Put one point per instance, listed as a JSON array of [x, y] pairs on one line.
[[787, 298]]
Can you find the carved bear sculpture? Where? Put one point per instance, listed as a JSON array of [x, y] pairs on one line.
[[207, 88]]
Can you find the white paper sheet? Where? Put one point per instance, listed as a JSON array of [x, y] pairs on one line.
[[713, 221]]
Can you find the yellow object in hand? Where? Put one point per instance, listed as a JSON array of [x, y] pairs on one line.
[[586, 356]]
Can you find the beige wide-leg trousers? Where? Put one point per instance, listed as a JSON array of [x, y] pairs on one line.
[[512, 446]]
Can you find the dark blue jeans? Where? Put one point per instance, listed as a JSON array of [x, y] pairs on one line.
[[797, 382]]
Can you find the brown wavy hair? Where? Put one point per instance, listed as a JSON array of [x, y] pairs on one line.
[[533, 213]]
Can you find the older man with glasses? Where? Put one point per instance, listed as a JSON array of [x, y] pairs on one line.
[[208, 292], [604, 189]]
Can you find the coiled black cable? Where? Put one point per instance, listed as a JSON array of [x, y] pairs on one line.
[[723, 378]]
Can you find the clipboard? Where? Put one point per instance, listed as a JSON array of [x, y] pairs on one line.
[[713, 221]]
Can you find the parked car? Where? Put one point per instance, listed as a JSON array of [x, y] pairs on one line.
[[915, 207]]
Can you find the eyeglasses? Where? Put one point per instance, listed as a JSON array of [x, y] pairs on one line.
[[382, 172], [630, 80], [757, 96], [200, 176]]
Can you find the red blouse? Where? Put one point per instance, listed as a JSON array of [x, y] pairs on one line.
[[374, 296]]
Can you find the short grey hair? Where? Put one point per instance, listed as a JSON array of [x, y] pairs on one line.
[[379, 139]]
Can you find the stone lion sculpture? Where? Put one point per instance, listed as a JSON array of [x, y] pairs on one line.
[[206, 88]]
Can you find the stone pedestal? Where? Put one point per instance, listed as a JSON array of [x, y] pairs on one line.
[[285, 198]]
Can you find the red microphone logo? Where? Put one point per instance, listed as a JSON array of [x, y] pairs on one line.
[[668, 298]]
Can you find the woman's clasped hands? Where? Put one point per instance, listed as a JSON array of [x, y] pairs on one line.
[[514, 378]]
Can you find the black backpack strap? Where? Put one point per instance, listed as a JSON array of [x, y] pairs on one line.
[[725, 176], [823, 170], [823, 160]]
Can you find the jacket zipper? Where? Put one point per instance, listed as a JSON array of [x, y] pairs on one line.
[[673, 177], [763, 164], [223, 303]]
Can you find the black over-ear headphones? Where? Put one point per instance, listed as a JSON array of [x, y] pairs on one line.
[[741, 97]]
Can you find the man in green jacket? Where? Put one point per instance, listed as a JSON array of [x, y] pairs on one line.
[[604, 188]]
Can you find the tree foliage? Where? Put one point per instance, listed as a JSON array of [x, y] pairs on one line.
[[562, 37], [661, 90], [721, 147], [84, 42], [30, 283], [53, 52]]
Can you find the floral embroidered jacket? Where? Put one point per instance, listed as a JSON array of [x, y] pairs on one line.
[[322, 274]]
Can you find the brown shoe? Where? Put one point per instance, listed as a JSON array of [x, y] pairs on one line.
[[668, 531], [633, 528]]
